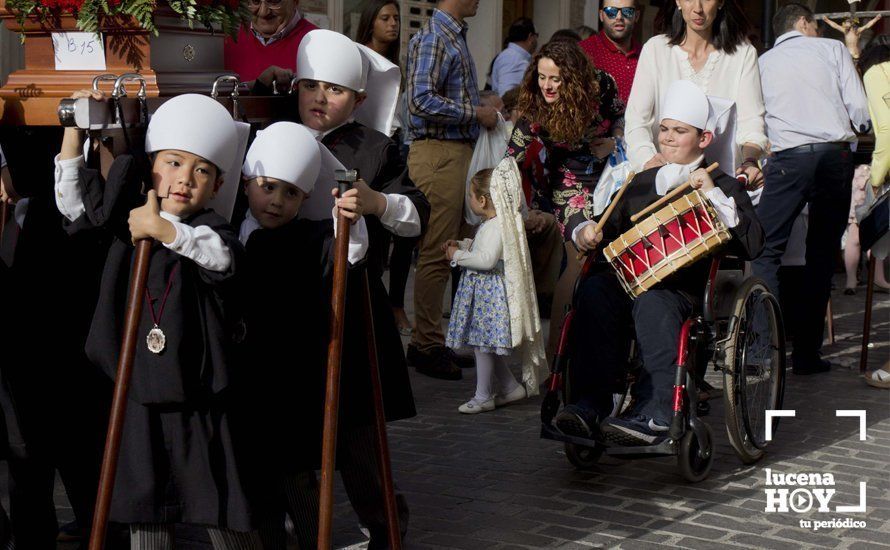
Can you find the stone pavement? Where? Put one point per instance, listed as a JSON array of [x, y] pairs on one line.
[[489, 481]]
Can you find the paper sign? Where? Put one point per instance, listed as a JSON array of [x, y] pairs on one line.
[[79, 51]]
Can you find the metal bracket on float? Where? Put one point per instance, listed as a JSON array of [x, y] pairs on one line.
[[226, 78]]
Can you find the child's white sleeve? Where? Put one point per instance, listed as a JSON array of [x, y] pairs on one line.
[[358, 240], [578, 229], [725, 207], [202, 245], [68, 197], [464, 244], [400, 216], [487, 250]]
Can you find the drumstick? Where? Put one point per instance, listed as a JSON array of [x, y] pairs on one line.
[[683, 188], [608, 212]]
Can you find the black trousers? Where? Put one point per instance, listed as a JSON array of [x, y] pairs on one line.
[[601, 343], [822, 180]]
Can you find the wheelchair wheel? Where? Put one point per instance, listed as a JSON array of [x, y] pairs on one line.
[[583, 458], [696, 457], [754, 377]]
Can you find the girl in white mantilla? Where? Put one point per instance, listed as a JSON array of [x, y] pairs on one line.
[[495, 311]]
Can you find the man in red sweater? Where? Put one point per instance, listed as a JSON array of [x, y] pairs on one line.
[[267, 50], [613, 49]]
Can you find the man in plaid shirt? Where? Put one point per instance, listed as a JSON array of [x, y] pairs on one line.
[[443, 102]]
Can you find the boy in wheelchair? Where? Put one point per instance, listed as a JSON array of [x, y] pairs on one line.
[[604, 312]]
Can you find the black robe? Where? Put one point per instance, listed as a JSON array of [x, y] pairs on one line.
[[61, 400], [177, 461], [747, 241], [376, 157]]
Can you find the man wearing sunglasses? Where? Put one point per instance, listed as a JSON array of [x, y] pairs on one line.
[[613, 49]]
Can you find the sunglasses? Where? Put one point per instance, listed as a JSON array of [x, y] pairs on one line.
[[612, 12]]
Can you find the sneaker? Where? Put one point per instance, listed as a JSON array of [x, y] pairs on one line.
[[435, 363], [517, 394], [634, 431], [474, 406], [577, 421]]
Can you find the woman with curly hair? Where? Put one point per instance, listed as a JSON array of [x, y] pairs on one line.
[[571, 110], [571, 115]]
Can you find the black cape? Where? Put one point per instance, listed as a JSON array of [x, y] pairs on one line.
[[376, 157], [177, 461]]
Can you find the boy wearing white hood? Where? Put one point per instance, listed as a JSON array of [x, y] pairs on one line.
[[348, 95], [604, 309], [289, 235], [178, 462]]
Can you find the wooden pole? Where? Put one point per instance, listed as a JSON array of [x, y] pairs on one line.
[[135, 299], [389, 493], [866, 325], [602, 223], [332, 385], [679, 190]]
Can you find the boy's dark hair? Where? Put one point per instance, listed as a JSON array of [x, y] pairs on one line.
[[510, 98], [520, 30], [565, 35], [729, 30], [480, 183], [877, 52], [787, 16]]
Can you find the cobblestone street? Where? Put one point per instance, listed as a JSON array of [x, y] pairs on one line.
[[489, 481]]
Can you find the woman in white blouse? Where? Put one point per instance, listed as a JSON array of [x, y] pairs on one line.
[[704, 42]]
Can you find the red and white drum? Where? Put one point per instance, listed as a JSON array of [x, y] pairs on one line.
[[675, 236]]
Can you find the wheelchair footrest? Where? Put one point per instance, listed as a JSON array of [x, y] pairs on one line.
[[668, 447]]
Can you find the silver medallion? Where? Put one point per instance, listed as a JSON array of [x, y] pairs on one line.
[[156, 340]]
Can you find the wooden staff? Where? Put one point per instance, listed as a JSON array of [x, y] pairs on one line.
[[345, 178], [602, 223], [135, 299], [389, 494], [679, 190]]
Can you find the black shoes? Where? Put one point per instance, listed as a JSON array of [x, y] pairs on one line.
[[577, 421], [436, 363], [811, 367]]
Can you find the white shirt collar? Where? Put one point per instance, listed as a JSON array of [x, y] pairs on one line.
[[248, 226], [280, 34], [519, 50], [672, 175], [319, 135], [786, 36]]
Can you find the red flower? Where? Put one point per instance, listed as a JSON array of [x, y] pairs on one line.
[[578, 201], [568, 178]]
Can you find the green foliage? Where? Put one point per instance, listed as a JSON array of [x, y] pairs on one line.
[[91, 15]]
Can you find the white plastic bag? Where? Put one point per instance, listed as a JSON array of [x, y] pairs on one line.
[[490, 149], [614, 173]]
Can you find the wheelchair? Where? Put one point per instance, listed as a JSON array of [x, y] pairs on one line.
[[739, 331]]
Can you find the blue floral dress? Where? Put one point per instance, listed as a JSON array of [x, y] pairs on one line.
[[480, 315]]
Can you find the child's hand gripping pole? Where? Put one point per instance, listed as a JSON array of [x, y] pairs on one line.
[[345, 179], [135, 299], [602, 223]]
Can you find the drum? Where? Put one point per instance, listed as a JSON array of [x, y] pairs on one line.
[[675, 236]]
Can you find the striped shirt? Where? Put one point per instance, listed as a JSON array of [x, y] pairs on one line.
[[442, 87]]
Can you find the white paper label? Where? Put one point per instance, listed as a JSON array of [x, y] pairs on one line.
[[79, 51]]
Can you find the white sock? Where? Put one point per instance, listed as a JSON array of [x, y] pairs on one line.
[[485, 364]]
